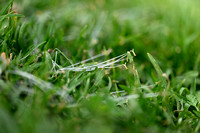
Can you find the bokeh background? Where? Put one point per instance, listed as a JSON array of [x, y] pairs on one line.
[[167, 29]]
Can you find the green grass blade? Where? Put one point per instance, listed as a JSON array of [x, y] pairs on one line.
[[158, 70], [31, 50], [3, 11]]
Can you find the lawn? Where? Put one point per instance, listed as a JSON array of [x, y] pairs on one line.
[[99, 66]]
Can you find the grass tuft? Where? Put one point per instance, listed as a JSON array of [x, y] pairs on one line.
[[67, 66]]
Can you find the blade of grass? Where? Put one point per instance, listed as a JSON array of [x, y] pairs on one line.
[[6, 7], [43, 85], [158, 70], [135, 72], [31, 50]]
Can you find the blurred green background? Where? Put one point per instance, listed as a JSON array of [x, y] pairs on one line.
[[167, 29]]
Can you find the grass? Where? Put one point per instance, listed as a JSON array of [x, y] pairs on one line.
[[67, 66]]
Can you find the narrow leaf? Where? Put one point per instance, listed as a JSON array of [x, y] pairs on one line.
[[158, 70]]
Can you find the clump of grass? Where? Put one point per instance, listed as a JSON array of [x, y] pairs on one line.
[[53, 79]]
